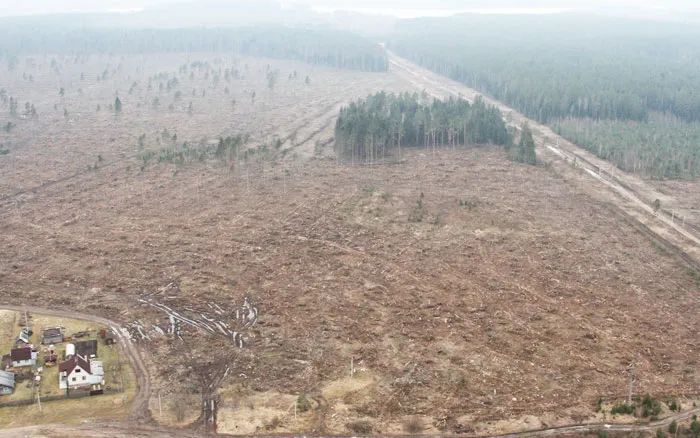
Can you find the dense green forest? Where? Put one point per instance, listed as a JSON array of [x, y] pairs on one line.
[[317, 46], [666, 147], [370, 128], [556, 67]]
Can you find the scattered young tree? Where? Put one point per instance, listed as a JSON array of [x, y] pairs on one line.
[[271, 79], [117, 106]]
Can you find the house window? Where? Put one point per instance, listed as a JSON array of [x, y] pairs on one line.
[[77, 370], [83, 377], [74, 379]]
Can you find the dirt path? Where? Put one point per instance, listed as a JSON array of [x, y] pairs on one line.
[[118, 430], [627, 192], [139, 409]]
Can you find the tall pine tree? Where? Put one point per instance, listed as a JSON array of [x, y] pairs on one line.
[[525, 152]]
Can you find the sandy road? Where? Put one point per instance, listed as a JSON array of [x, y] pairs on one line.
[[139, 408], [627, 192]]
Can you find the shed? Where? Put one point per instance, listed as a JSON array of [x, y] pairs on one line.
[[7, 383], [23, 337], [86, 348], [52, 335], [108, 336]]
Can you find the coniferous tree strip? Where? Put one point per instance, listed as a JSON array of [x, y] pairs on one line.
[[368, 129]]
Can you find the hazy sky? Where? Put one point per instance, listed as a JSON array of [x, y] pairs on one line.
[[14, 7]]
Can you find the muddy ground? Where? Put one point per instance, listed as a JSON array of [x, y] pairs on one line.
[[469, 293]]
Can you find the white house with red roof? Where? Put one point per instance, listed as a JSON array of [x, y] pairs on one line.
[[78, 372]]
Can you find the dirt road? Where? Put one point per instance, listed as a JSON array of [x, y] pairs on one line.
[[124, 430], [139, 408], [627, 192]]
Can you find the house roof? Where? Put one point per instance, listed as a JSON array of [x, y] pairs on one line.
[[21, 353], [7, 379], [52, 331], [23, 337], [86, 348], [69, 365]]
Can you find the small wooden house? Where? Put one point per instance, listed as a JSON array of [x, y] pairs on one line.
[[52, 335], [22, 357]]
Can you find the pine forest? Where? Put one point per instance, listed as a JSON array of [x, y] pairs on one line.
[[369, 129]]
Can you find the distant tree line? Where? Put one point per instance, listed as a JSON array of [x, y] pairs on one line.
[[317, 46], [556, 67], [625, 90], [368, 129]]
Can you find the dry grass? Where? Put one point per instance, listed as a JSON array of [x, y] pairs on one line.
[[261, 413], [108, 407]]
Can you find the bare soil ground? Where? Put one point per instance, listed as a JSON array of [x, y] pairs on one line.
[[471, 294]]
